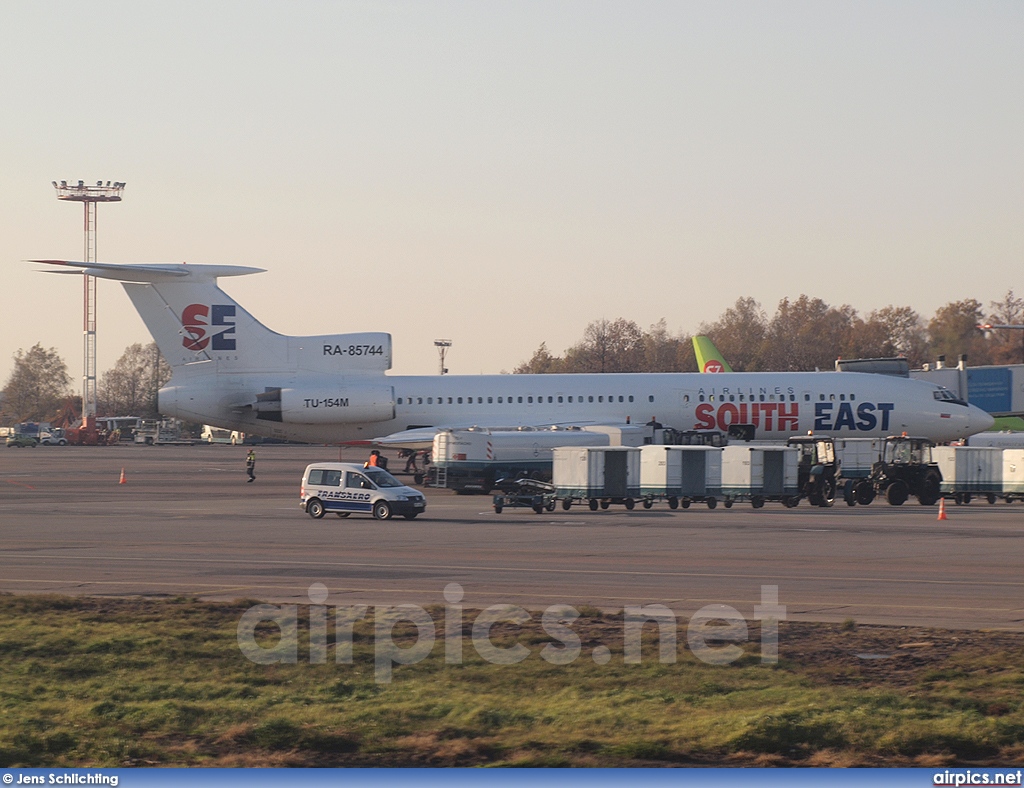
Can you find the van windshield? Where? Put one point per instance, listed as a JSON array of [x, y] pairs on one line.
[[381, 477]]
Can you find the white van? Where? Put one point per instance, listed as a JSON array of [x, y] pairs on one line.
[[344, 488]]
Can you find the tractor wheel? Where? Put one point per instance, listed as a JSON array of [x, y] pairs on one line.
[[896, 493], [864, 492], [930, 489]]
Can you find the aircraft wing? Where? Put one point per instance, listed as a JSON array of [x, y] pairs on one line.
[[417, 440], [422, 438]]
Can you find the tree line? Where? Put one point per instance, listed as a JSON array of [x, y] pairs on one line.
[[803, 335], [39, 387]]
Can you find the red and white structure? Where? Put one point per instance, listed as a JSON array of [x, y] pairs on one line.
[[89, 196]]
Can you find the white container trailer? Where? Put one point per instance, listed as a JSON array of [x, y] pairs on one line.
[[1013, 474], [484, 449], [681, 474], [760, 473], [856, 456], [600, 475], [970, 471]]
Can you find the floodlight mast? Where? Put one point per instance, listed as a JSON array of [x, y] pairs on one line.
[[442, 346], [89, 196], [988, 327]]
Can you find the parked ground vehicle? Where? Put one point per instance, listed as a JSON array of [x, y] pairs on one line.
[[53, 438], [344, 488], [906, 468], [20, 441], [817, 469]]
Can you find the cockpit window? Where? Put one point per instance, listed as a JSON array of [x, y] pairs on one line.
[[945, 395]]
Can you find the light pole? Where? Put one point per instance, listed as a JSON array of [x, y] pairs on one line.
[[442, 346], [89, 196]]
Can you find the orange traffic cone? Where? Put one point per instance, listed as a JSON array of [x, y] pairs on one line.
[[942, 509], [124, 479]]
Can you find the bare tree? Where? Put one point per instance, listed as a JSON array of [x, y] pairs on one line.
[[37, 385], [130, 387], [665, 352], [805, 334], [1007, 346], [542, 362], [739, 334], [608, 346], [954, 331]]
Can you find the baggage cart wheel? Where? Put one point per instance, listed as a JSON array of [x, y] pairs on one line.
[[592, 504], [673, 503], [497, 508], [648, 503], [685, 503], [605, 504], [728, 503], [629, 503], [566, 503], [757, 502], [712, 503]]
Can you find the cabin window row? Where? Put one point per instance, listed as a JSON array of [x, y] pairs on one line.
[[767, 397], [520, 400]]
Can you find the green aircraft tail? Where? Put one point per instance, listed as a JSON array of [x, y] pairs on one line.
[[708, 357]]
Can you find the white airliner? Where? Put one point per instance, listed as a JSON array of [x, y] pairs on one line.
[[230, 371]]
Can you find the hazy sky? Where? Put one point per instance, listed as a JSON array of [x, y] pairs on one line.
[[502, 173]]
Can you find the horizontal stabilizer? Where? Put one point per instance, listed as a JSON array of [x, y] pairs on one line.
[[153, 272]]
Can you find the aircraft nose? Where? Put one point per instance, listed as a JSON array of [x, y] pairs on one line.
[[978, 420]]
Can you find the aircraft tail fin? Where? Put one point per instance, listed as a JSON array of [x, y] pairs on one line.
[[708, 357], [190, 317], [194, 321]]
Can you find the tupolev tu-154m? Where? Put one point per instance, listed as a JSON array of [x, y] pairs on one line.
[[231, 371]]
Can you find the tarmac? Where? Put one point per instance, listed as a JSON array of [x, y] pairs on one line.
[[186, 523]]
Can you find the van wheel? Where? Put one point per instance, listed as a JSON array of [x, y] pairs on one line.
[[381, 511], [343, 514], [314, 508]]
